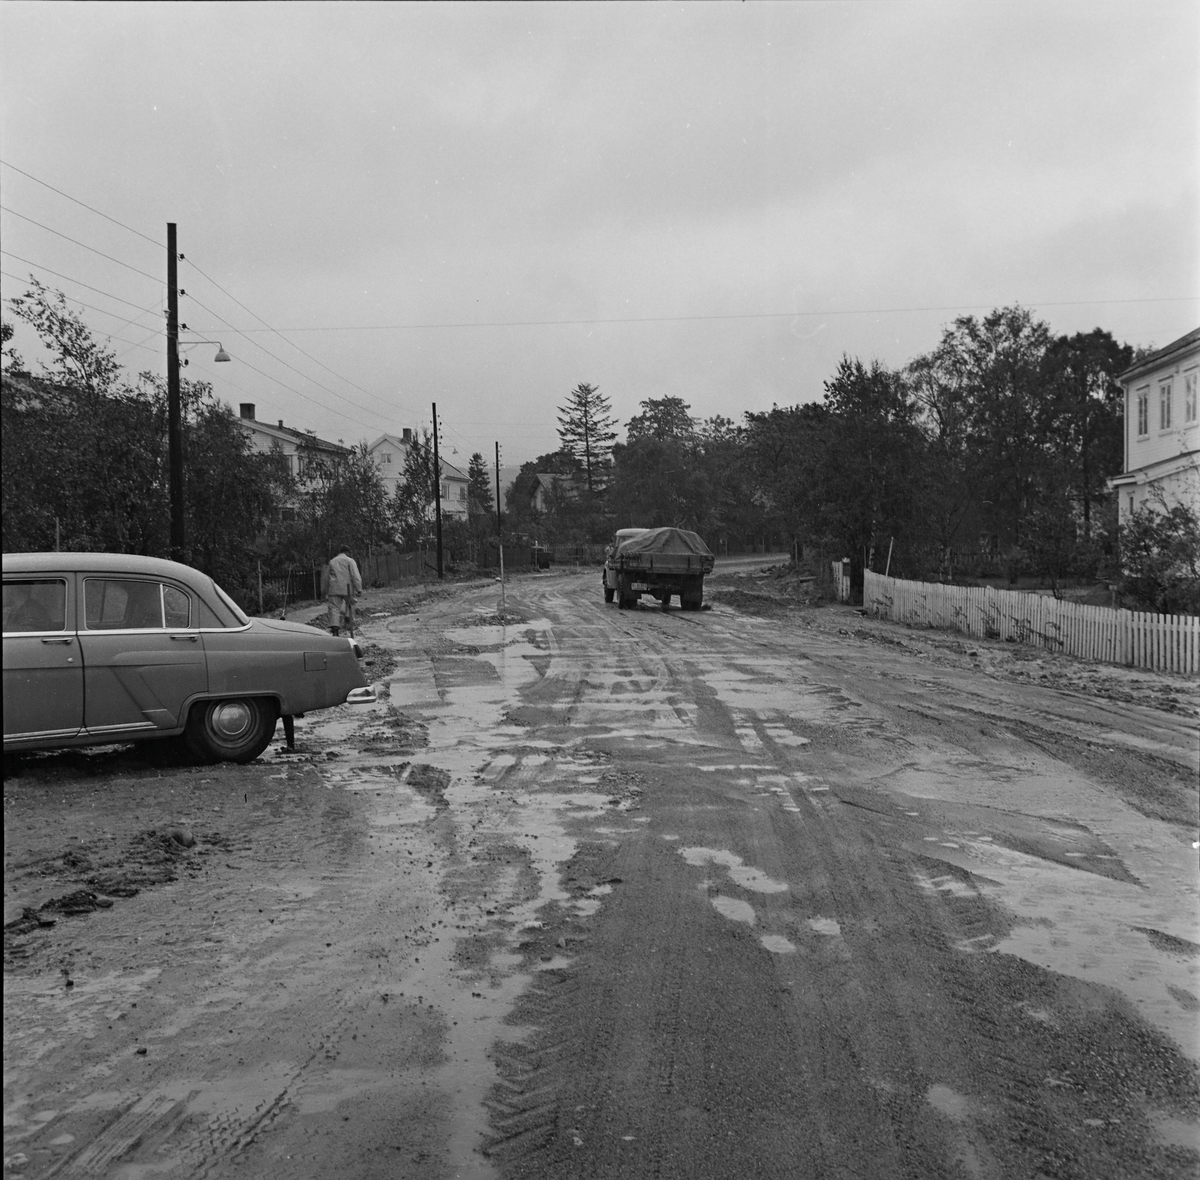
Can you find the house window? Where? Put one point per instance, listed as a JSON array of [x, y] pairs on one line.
[[1143, 412], [1164, 406], [1130, 503], [1189, 398], [387, 458], [462, 493], [445, 491]]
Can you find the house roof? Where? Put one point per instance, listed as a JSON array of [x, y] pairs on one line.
[[1162, 355], [449, 471], [389, 439], [287, 434]]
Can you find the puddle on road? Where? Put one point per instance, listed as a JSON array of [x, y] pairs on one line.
[[1085, 875], [777, 944], [731, 907], [742, 874], [504, 788], [827, 926]]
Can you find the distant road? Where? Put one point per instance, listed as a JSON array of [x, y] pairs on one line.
[[749, 561]]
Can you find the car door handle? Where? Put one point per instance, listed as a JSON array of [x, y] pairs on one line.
[[184, 638], [64, 639]]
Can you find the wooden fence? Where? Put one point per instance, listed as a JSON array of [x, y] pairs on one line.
[[283, 585], [1164, 643]]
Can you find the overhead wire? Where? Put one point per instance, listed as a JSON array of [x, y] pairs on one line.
[[69, 278], [756, 315], [280, 360], [298, 393], [267, 327], [75, 241], [199, 271], [85, 205], [91, 306]]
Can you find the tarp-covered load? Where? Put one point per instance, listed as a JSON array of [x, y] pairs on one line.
[[665, 543]]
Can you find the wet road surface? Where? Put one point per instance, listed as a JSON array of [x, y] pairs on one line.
[[636, 894]]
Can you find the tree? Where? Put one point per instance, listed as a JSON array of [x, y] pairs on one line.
[[663, 419], [586, 432], [1083, 414], [79, 361], [990, 377], [733, 514], [659, 475], [1160, 556], [523, 518], [479, 487], [784, 448], [85, 457], [411, 509], [871, 460], [12, 361]]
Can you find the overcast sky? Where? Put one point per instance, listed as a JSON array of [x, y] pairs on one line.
[[484, 205]]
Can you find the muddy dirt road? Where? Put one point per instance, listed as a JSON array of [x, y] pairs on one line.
[[623, 894]]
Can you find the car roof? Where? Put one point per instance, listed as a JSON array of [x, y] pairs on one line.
[[102, 563]]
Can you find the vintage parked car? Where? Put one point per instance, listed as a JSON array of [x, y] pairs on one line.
[[109, 647]]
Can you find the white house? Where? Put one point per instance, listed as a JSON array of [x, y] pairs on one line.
[[390, 453], [1162, 429], [298, 447]]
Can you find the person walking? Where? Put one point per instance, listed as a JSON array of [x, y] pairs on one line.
[[343, 586]]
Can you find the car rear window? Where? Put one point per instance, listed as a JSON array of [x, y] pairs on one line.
[[35, 605], [127, 604], [239, 615]]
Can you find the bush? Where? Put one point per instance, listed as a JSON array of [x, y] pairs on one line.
[[1160, 558]]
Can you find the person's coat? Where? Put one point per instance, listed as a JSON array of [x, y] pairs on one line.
[[343, 576]]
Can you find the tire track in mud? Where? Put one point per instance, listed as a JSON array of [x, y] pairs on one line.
[[910, 1052]]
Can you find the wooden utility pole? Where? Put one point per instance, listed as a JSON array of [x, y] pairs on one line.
[[437, 491], [499, 529], [174, 418]]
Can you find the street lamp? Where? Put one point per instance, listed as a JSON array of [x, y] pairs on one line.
[[222, 355]]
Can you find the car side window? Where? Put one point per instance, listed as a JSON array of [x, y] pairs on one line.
[[39, 605], [177, 607], [120, 604]]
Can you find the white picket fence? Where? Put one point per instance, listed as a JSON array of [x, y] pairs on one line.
[[1164, 643]]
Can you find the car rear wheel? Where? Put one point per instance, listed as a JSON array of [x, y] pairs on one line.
[[237, 729]]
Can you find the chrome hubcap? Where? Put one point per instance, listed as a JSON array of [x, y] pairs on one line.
[[231, 719]]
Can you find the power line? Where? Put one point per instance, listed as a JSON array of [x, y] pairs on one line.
[[283, 385], [92, 307], [758, 315], [281, 361], [157, 333], [57, 274], [107, 336], [85, 205], [75, 241], [267, 327], [110, 258]]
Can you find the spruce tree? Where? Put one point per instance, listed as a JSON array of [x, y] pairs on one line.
[[586, 431]]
